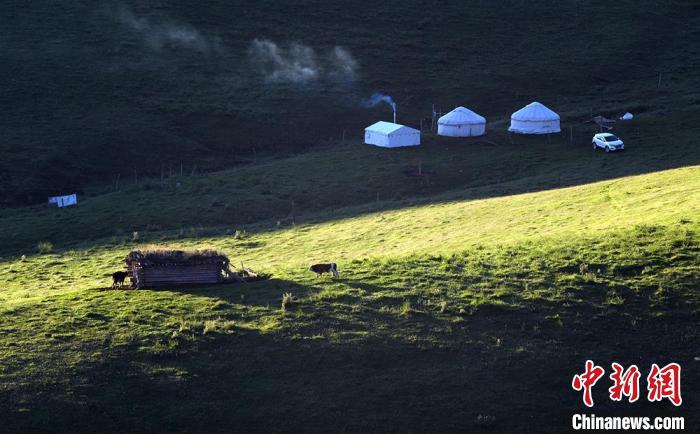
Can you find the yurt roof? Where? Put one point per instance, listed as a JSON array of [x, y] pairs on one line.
[[461, 116], [390, 128], [535, 111]]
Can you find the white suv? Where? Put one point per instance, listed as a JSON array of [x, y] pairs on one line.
[[608, 142]]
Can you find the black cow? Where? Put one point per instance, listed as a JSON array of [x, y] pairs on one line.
[[118, 279]]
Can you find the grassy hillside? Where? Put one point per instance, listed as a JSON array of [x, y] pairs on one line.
[[431, 298], [303, 188], [469, 293], [93, 90]]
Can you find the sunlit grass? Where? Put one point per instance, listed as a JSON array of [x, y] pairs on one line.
[[408, 275]]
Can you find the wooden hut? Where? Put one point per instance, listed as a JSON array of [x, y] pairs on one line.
[[162, 267]]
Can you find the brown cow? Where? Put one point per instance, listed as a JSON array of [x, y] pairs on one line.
[[319, 269]]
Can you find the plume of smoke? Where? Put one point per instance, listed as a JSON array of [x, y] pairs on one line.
[[298, 63], [157, 35], [378, 98], [344, 66]]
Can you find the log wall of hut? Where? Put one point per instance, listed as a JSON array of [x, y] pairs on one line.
[[176, 274]]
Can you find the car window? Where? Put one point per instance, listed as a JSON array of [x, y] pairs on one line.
[[611, 138]]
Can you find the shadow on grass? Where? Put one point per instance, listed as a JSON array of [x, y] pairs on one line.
[[253, 382], [260, 292]]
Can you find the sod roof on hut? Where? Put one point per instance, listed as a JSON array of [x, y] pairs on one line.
[[161, 256]]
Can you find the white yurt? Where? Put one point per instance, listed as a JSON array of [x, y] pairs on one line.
[[390, 135], [534, 118], [461, 122]]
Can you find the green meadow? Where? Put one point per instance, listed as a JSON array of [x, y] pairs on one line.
[[477, 275], [537, 280]]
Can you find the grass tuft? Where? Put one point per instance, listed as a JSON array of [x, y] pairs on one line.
[[44, 247], [218, 325], [287, 301], [405, 309]]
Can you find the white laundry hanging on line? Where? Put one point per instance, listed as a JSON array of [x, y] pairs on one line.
[[63, 201]]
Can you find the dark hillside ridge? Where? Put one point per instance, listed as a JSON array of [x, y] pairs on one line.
[[92, 90]]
